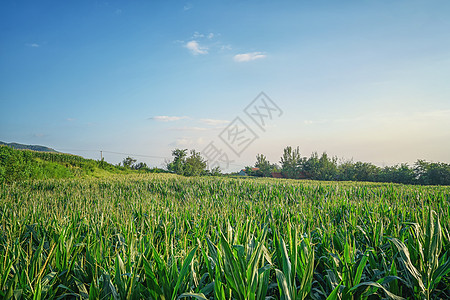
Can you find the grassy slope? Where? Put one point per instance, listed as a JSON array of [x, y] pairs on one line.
[[17, 165]]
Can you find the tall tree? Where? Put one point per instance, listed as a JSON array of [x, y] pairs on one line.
[[323, 168], [194, 165], [179, 158], [291, 162], [263, 164]]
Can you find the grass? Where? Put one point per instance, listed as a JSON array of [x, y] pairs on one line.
[[161, 236], [19, 165]]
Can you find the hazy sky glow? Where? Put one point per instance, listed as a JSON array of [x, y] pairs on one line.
[[367, 80]]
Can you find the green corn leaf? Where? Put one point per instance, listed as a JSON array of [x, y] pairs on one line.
[[183, 272], [199, 296], [232, 268], [286, 263], [37, 291], [376, 285], [152, 280], [93, 292], [360, 269], [219, 292], [440, 272], [307, 276], [263, 274], [334, 293], [405, 261], [283, 286]]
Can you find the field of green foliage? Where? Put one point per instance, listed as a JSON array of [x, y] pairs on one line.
[[161, 236]]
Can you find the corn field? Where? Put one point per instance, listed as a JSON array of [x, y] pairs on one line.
[[167, 237]]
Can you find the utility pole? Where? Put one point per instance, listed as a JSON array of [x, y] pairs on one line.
[[101, 155]]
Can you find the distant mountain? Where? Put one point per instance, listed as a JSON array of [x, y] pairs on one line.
[[28, 147]]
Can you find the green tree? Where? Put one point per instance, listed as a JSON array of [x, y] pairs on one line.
[[179, 159], [291, 162], [215, 171], [140, 166], [346, 170], [128, 162], [195, 164], [264, 165], [323, 168], [366, 171], [398, 174], [432, 173]]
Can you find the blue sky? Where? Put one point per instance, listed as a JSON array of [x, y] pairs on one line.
[[359, 79]]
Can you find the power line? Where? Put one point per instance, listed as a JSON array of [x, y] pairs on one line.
[[79, 150], [130, 154], [114, 152]]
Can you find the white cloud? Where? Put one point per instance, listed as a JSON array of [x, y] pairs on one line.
[[195, 48], [210, 35], [188, 6], [214, 122], [70, 119], [33, 45], [167, 118], [243, 57]]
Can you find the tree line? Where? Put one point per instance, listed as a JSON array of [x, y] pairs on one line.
[[16, 165], [323, 167]]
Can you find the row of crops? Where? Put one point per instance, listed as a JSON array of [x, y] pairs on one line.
[[169, 237]]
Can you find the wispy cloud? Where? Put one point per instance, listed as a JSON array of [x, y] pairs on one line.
[[214, 122], [167, 118], [389, 117], [187, 142], [189, 129], [195, 48], [225, 47], [39, 135], [197, 35], [188, 6], [33, 45], [210, 123], [309, 122], [244, 57], [70, 119]]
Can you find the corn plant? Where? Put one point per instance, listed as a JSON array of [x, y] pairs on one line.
[[297, 267], [160, 236], [421, 258], [244, 267]]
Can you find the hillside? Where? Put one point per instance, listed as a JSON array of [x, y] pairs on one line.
[[18, 165], [28, 147]]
